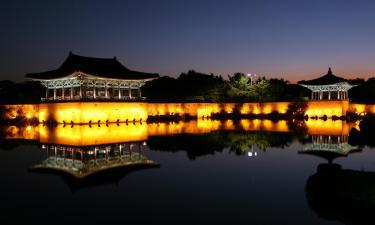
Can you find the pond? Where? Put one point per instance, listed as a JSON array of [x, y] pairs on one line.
[[216, 172]]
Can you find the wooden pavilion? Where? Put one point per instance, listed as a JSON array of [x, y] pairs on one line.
[[86, 78], [328, 87]]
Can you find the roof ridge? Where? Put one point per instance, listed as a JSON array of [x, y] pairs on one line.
[[89, 57]]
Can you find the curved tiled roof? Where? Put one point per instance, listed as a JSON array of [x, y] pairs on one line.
[[101, 67], [327, 79]]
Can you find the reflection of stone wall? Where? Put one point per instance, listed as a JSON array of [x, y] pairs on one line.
[[83, 112]]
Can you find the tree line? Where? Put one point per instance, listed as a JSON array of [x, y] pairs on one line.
[[193, 86]]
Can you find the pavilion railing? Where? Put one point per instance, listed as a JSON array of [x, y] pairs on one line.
[[91, 98]]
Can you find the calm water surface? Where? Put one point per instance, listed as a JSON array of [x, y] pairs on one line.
[[253, 172]]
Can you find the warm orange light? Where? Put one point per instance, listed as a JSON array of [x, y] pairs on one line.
[[84, 112], [94, 135], [85, 135], [329, 127], [362, 108], [27, 133], [326, 108], [264, 125]]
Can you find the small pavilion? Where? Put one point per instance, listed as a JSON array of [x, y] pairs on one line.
[[328, 87], [86, 78]]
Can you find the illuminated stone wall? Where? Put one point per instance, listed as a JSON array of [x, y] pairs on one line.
[[206, 109], [361, 108], [328, 108], [15, 111], [84, 112]]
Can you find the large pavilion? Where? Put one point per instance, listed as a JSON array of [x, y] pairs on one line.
[[86, 78], [328, 87]]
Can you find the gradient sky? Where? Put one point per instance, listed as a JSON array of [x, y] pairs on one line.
[[277, 38]]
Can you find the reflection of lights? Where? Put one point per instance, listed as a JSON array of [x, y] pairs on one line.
[[84, 135], [252, 154]]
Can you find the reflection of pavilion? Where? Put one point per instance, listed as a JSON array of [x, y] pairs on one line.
[[91, 165], [329, 146]]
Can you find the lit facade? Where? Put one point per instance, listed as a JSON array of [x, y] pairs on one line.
[[328, 87], [86, 78]]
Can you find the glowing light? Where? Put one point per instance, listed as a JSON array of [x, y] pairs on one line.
[[328, 127], [95, 135], [84, 112], [326, 108]]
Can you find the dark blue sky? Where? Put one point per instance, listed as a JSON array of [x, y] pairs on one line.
[[277, 38]]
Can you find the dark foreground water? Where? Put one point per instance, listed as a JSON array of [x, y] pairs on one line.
[[216, 177]]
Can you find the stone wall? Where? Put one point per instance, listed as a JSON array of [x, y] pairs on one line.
[[92, 112]]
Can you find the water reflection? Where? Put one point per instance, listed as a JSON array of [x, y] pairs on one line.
[[87, 156], [198, 138], [337, 194], [329, 146], [340, 194], [119, 133], [93, 165]]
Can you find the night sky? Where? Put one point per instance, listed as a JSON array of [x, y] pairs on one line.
[[291, 39]]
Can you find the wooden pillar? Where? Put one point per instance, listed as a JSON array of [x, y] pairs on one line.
[[80, 91], [63, 92], [312, 95], [47, 90], [130, 92], [94, 91], [139, 92], [106, 90], [119, 92], [329, 95], [54, 92]]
